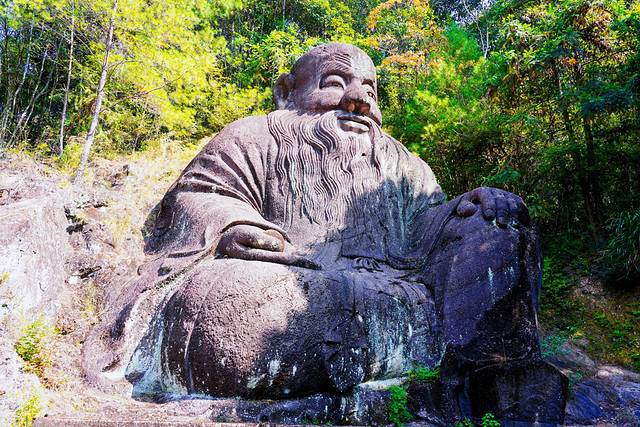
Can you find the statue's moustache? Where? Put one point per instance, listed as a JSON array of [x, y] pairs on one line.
[[358, 118], [355, 122], [336, 117]]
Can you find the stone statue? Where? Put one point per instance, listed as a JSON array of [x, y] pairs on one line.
[[307, 251]]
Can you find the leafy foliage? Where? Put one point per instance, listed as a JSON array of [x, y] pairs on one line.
[[32, 347], [622, 253], [397, 410], [489, 420], [27, 411], [552, 345], [465, 422], [423, 374]]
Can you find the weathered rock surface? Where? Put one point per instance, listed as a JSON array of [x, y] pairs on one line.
[[600, 394], [62, 248], [34, 247]]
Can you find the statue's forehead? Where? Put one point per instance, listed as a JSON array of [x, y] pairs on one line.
[[355, 61], [343, 60]]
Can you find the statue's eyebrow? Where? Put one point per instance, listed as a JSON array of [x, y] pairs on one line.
[[369, 82], [335, 68]]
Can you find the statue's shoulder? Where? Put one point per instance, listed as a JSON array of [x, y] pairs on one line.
[[248, 131], [403, 152]]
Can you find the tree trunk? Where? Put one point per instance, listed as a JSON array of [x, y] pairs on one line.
[[581, 174], [88, 143], [3, 51], [10, 102], [26, 114], [63, 116], [594, 198], [592, 180]]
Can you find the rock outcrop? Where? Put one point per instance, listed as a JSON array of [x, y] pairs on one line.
[[34, 248]]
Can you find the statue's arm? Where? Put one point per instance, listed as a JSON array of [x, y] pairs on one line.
[[494, 204], [217, 204], [223, 186]]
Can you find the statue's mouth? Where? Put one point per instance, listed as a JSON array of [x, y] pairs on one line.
[[354, 122]]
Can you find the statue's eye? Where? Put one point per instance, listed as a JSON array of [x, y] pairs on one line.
[[333, 81], [370, 91]]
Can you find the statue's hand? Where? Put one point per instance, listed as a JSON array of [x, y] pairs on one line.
[[506, 208], [256, 244]]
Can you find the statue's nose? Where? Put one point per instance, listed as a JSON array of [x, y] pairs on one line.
[[355, 100]]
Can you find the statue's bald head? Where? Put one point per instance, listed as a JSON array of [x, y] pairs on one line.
[[330, 77], [349, 55]]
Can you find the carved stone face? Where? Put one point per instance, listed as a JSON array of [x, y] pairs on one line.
[[334, 77]]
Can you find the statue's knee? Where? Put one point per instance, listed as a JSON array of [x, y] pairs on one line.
[[235, 302]]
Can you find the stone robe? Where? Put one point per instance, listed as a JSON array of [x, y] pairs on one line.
[[402, 280]]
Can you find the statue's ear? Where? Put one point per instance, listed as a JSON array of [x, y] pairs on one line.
[[282, 90]]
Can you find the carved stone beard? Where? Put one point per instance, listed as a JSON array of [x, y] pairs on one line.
[[327, 171]]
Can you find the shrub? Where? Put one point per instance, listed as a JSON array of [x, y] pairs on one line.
[[622, 253], [423, 374], [397, 409], [27, 412], [551, 345], [489, 420], [31, 347], [555, 283]]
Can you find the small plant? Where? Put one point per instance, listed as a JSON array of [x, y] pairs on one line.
[[601, 319], [4, 277], [425, 375], [622, 253], [27, 412], [465, 422], [489, 420], [397, 409], [552, 345], [70, 158], [555, 284], [620, 338], [31, 347]]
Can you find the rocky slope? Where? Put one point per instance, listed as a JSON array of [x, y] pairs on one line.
[[64, 249]]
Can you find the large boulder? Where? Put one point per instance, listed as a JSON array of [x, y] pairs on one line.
[[34, 245]]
